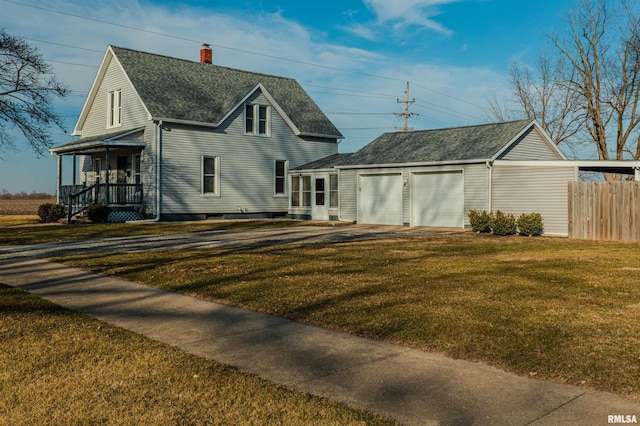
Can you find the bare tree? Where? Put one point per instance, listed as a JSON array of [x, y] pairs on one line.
[[590, 84], [27, 89], [540, 92], [603, 49]]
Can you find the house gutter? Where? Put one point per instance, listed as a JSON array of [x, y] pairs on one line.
[[489, 184], [158, 169]]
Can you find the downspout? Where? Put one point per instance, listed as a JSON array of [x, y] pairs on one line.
[[489, 184], [158, 169]]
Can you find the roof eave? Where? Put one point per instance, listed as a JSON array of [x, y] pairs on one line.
[[414, 164], [320, 135], [185, 122]]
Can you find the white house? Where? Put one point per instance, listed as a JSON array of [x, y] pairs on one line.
[[178, 139]]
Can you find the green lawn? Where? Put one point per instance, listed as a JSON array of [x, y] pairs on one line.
[[58, 367], [550, 308]]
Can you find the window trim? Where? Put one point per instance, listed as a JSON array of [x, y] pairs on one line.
[[216, 176], [285, 189], [256, 120], [114, 108]]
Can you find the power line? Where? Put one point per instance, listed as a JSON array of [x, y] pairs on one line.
[[359, 113], [231, 48]]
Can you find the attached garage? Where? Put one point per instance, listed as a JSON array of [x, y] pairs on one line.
[[380, 199], [435, 177], [437, 199]]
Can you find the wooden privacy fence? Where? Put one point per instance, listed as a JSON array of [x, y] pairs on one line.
[[604, 210]]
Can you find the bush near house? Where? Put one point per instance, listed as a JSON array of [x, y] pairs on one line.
[[480, 220], [98, 213], [530, 224], [503, 223], [50, 212]]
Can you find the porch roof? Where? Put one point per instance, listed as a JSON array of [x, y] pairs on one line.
[[121, 139]]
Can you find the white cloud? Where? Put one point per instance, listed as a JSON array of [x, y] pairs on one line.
[[403, 13], [350, 77]]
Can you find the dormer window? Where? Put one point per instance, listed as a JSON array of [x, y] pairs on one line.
[[114, 108], [256, 119]]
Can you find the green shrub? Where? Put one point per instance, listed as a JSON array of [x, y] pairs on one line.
[[503, 224], [530, 224], [480, 220], [50, 212], [98, 213]]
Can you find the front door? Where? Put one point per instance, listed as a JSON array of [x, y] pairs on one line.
[[320, 208]]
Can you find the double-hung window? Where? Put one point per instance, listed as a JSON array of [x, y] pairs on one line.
[[256, 119], [280, 177], [210, 181], [114, 108]]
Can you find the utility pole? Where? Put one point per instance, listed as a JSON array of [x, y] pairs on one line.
[[406, 114]]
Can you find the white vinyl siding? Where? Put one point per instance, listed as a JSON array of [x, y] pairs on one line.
[[133, 111], [246, 180], [531, 146], [348, 195], [476, 189], [524, 189]]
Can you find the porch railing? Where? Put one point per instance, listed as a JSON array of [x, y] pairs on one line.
[[78, 197]]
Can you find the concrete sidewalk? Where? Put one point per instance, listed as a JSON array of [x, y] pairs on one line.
[[411, 386]]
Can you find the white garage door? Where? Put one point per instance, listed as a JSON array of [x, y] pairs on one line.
[[437, 199], [380, 199]]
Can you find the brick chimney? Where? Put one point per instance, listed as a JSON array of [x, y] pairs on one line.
[[206, 55]]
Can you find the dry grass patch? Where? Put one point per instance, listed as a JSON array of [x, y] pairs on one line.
[[59, 367], [551, 308], [13, 220]]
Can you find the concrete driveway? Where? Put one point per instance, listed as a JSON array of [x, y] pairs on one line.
[[219, 239]]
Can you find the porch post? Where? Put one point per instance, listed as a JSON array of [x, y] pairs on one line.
[[107, 174], [59, 172], [637, 174], [74, 170]]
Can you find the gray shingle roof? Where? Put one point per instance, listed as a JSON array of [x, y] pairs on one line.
[[457, 143], [326, 162], [175, 88]]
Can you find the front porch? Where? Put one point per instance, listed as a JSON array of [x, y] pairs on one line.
[[124, 199], [110, 174]]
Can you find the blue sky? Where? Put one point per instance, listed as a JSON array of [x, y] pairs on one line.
[[354, 57]]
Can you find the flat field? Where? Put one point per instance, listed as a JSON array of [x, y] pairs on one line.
[[26, 207]]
